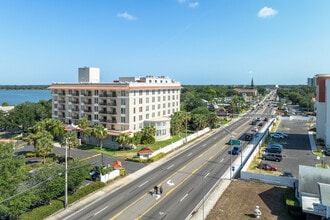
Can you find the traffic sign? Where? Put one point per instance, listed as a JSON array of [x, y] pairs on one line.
[[235, 142]]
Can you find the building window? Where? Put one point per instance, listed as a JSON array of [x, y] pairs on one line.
[[147, 100], [147, 116], [147, 92], [164, 98], [123, 101], [123, 111], [140, 101], [96, 100], [140, 117], [134, 110], [96, 117], [122, 119], [140, 109], [153, 92], [147, 108], [153, 107], [153, 99], [96, 92], [123, 93], [164, 105], [140, 92], [134, 119], [158, 98], [96, 108], [158, 106]]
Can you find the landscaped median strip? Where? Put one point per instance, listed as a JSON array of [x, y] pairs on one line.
[[87, 158]]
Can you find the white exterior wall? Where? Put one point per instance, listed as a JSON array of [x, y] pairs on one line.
[[327, 113], [320, 120], [89, 75]]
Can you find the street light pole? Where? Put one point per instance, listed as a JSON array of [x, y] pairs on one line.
[[66, 176], [186, 125]]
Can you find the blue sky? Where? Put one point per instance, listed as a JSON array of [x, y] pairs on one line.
[[223, 42]]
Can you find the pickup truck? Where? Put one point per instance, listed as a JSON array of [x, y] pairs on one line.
[[236, 150]]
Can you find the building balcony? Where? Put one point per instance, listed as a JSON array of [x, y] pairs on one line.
[[61, 101], [103, 103], [112, 112], [103, 120], [112, 121], [112, 104], [103, 112]]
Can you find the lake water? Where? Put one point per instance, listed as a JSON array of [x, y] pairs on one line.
[[14, 97]]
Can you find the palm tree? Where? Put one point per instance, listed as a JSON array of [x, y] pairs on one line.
[[88, 132], [44, 147], [70, 140], [100, 133], [123, 140], [83, 123]]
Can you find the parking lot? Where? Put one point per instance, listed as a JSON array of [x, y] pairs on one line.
[[296, 148]]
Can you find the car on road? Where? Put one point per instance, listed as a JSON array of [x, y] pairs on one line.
[[267, 166], [254, 129], [277, 136], [248, 137], [272, 156], [236, 150]]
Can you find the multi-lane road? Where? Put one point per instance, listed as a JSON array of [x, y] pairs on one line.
[[185, 179]]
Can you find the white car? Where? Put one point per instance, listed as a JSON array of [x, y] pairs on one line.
[[254, 129]]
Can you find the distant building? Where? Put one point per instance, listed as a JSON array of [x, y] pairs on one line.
[[248, 94], [123, 106], [311, 81], [323, 107]]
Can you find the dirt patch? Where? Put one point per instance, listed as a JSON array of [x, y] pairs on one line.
[[240, 198]]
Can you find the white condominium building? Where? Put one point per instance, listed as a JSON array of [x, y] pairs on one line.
[[123, 106]]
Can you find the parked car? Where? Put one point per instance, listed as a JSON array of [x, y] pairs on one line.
[[277, 136], [272, 156], [253, 122], [266, 166], [286, 173], [327, 152], [273, 149], [281, 133], [260, 124], [277, 145]]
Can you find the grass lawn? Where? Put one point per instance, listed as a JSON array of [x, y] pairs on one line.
[[125, 153]]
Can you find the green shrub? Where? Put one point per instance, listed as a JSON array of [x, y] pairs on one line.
[[292, 205], [58, 204], [30, 154]]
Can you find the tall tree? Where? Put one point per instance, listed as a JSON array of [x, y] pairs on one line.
[[70, 140], [83, 124], [123, 140], [100, 133], [44, 146]]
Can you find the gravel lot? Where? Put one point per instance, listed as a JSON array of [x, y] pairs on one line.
[[240, 198]]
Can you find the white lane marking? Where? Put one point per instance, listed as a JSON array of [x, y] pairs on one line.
[[170, 182], [221, 160], [143, 183], [100, 210], [204, 145], [189, 154], [183, 197], [170, 166], [157, 196], [206, 175]]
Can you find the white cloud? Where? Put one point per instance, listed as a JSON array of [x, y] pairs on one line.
[[126, 16], [193, 4], [267, 12]]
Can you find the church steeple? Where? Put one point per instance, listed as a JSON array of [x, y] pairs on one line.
[[252, 85]]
